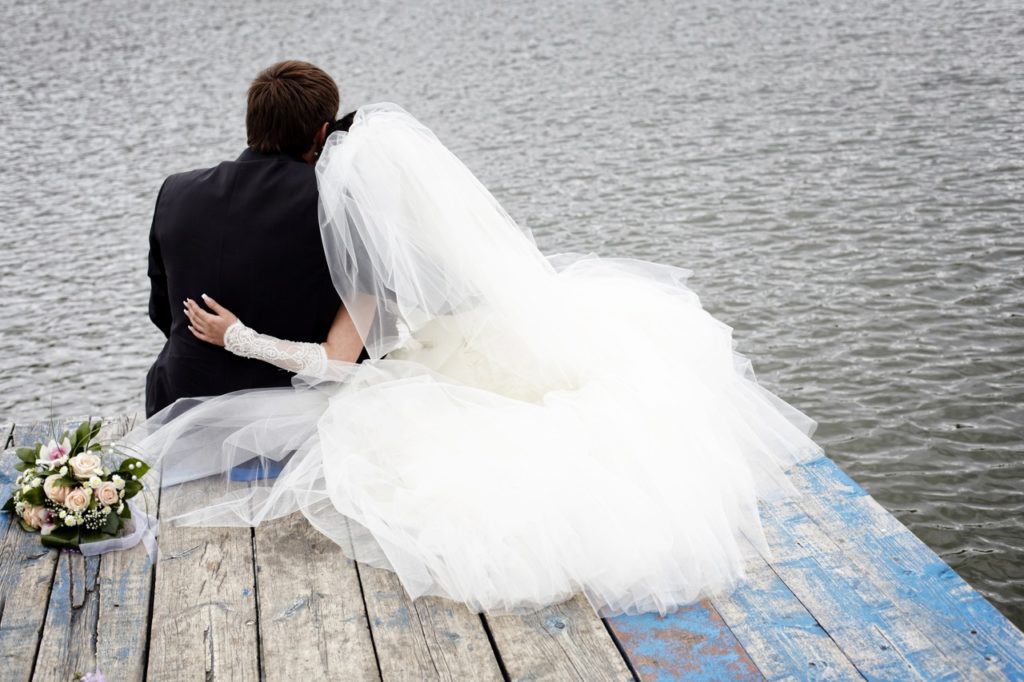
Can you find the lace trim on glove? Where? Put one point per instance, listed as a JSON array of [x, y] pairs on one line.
[[294, 356]]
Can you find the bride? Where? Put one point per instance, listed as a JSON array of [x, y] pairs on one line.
[[527, 426]]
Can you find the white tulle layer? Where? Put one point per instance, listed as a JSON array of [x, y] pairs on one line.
[[621, 454]]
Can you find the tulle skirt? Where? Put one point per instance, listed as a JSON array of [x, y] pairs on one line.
[[615, 446]]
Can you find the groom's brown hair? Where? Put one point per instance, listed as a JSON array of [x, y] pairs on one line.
[[288, 102]]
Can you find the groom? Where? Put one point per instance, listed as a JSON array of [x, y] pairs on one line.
[[246, 233]]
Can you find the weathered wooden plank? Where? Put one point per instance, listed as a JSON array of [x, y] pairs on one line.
[[93, 621], [565, 641], [431, 639], [7, 476], [69, 637], [979, 640], [26, 577], [777, 632], [125, 587], [204, 604], [879, 640], [313, 624], [692, 643]]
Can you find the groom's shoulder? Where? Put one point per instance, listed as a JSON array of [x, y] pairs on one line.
[[272, 167], [182, 180]]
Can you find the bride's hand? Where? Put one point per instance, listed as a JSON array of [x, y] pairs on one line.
[[206, 326]]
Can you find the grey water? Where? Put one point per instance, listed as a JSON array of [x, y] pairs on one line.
[[845, 179]]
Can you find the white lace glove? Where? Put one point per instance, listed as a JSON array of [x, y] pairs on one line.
[[294, 356]]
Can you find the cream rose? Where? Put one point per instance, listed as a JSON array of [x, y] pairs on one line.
[[107, 494], [53, 491], [77, 499], [36, 517], [85, 464]]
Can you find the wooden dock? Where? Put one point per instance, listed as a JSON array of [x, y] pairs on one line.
[[849, 593]]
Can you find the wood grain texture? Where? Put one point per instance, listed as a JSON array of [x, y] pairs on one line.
[[693, 643], [8, 474], [879, 640], [778, 633], [565, 641], [313, 624], [92, 622], [27, 572], [26, 577], [431, 639], [125, 587], [204, 602], [979, 641], [68, 645]]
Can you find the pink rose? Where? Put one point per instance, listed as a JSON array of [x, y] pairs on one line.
[[36, 517], [77, 499], [107, 494], [85, 464], [53, 491]]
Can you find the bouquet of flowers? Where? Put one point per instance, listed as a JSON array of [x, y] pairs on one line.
[[67, 494]]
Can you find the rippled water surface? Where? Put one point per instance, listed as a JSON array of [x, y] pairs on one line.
[[845, 178]]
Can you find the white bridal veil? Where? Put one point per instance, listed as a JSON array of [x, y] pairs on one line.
[[527, 427]]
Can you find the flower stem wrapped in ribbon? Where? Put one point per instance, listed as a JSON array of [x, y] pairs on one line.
[[66, 492]]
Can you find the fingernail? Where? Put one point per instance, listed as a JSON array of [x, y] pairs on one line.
[[205, 296]]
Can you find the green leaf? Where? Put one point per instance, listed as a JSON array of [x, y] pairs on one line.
[[62, 538], [22, 466], [9, 506], [140, 468], [95, 447], [34, 496], [92, 536], [80, 438], [27, 528], [28, 455], [113, 523], [131, 489]]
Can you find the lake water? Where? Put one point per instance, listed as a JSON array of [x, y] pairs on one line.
[[846, 180]]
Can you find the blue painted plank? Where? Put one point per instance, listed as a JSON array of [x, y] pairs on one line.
[[26, 576], [693, 643], [782, 638], [67, 642], [979, 639], [877, 638]]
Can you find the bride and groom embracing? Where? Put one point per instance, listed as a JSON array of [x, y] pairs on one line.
[[437, 396]]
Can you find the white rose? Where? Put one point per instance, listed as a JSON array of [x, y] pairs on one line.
[[85, 464], [118, 481], [70, 521], [106, 493], [94, 481], [53, 491], [77, 499]]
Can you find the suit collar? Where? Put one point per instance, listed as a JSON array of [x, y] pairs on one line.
[[250, 154]]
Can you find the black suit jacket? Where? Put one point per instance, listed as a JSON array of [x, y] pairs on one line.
[[245, 232]]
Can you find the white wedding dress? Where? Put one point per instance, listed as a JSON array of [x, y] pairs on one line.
[[527, 427]]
